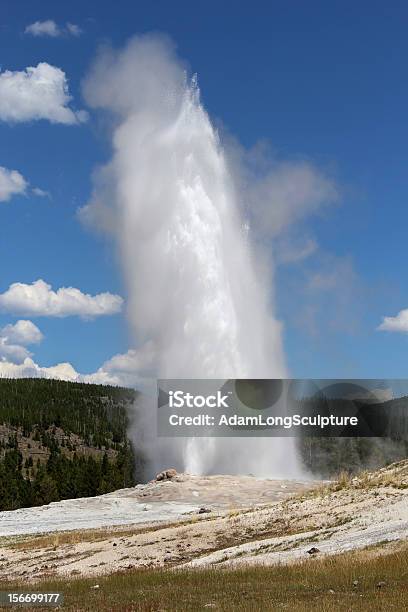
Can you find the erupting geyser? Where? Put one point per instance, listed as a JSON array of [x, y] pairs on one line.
[[198, 305]]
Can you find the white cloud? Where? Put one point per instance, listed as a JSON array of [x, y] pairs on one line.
[[23, 332], [121, 370], [38, 92], [50, 28], [73, 29], [128, 369], [43, 28], [15, 338], [40, 193], [12, 353], [39, 300], [29, 369], [11, 183], [398, 323]]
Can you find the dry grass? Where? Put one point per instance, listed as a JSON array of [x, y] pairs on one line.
[[231, 533], [393, 476], [62, 538], [376, 579]]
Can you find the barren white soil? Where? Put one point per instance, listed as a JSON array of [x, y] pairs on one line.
[[168, 500], [246, 521]]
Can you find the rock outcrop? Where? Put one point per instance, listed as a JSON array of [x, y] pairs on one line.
[[166, 474]]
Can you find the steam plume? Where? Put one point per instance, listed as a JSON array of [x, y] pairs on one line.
[[196, 295]]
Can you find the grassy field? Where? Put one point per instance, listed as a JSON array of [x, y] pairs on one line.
[[375, 579]]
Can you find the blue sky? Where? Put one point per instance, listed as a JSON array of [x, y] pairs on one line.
[[324, 82]]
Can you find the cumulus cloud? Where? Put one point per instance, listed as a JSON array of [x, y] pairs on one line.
[[38, 92], [51, 29], [124, 370], [11, 183], [128, 369], [16, 360], [12, 353], [23, 332], [29, 369], [39, 300], [399, 323], [15, 338]]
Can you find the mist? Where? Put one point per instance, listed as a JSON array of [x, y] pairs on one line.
[[200, 294]]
